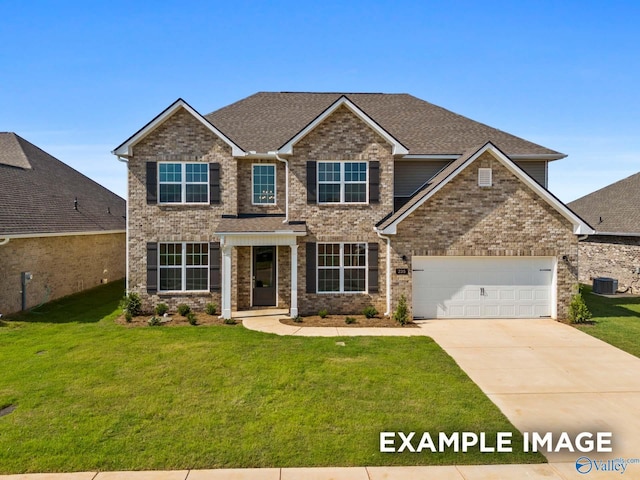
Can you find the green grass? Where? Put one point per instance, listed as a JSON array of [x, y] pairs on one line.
[[95, 395], [615, 320]]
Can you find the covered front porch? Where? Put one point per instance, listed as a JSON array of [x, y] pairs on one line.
[[263, 271]]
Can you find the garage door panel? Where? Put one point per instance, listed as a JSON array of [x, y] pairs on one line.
[[482, 287]]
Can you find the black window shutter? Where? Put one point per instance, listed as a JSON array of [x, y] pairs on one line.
[[214, 267], [311, 182], [374, 182], [311, 267], [152, 182], [373, 268], [152, 267], [214, 183]]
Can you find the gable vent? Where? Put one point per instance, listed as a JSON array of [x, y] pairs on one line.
[[484, 177]]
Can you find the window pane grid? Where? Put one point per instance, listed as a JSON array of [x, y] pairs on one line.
[[342, 267], [184, 266], [183, 182], [264, 184], [342, 182]]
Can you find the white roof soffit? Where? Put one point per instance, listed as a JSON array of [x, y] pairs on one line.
[[124, 150], [579, 226], [398, 148]]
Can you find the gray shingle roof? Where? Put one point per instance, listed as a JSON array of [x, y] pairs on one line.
[[266, 121], [613, 209], [37, 193]]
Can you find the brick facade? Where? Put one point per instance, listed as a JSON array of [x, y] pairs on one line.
[[507, 219], [611, 256], [342, 136], [60, 265]]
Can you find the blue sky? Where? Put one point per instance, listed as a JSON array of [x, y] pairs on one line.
[[78, 78]]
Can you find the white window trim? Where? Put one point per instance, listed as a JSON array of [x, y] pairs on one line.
[[183, 183], [342, 268], [342, 182], [275, 184], [184, 267]]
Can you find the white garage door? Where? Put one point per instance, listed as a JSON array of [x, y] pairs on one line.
[[482, 287]]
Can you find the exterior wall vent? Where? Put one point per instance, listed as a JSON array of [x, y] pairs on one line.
[[484, 177]]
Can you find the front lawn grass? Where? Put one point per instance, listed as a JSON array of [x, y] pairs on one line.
[[615, 320], [94, 395]]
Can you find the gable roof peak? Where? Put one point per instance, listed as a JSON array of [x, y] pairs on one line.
[[12, 152]]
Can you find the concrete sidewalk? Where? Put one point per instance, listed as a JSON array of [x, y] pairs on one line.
[[462, 472]]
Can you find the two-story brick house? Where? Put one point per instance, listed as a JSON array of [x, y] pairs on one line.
[[326, 200]]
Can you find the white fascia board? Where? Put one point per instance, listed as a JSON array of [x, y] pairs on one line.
[[124, 150], [398, 148], [579, 227], [617, 234], [542, 156]]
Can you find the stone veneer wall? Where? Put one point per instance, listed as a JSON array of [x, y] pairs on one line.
[[60, 265], [507, 219], [342, 136], [611, 256]]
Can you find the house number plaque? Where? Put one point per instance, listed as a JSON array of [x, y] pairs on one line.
[[402, 271]]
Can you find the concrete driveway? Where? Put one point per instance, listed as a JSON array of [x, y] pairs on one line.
[[549, 377]]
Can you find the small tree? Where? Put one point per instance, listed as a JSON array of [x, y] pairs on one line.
[[578, 310], [401, 315]]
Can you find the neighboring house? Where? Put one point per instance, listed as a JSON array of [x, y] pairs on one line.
[[307, 201], [614, 250], [64, 229]]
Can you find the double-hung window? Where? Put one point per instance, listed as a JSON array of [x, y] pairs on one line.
[[263, 179], [342, 182], [183, 182], [342, 267], [184, 266]]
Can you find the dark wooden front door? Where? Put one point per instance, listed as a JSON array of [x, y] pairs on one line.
[[264, 276]]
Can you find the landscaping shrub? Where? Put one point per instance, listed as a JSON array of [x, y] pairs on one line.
[[128, 317], [154, 321], [211, 308], [183, 309], [230, 321], [132, 304], [578, 310], [401, 315], [297, 319], [370, 311], [323, 313], [162, 308], [350, 320], [192, 318]]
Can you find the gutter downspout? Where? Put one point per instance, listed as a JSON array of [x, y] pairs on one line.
[[126, 160], [286, 193], [388, 274]]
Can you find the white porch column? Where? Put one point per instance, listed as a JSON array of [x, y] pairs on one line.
[[294, 281], [226, 281]]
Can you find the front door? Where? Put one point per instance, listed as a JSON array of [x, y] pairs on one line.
[[264, 276]]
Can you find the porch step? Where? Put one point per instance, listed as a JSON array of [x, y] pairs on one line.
[[265, 312]]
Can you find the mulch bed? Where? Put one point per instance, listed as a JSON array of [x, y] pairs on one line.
[[174, 320], [339, 321]]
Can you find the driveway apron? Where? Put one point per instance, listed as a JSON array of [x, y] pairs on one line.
[[546, 376]]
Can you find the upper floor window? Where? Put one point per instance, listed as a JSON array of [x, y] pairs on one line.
[[184, 266], [342, 182], [263, 179], [183, 182]]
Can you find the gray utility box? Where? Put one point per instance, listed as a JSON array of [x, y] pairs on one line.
[[605, 285]]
